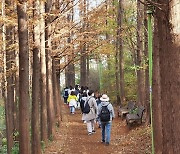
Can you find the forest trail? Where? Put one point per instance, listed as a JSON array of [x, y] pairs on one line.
[[72, 138]]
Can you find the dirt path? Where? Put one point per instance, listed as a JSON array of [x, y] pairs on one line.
[[72, 138]]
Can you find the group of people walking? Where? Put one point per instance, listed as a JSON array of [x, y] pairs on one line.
[[94, 109]]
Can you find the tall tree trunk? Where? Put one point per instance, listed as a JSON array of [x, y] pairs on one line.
[[70, 71], [156, 93], [50, 104], [16, 91], [107, 35], [117, 77], [169, 79], [88, 72], [71, 66], [43, 84], [56, 93], [139, 62], [120, 48], [83, 67], [24, 136], [83, 70], [146, 86], [9, 107], [35, 148]]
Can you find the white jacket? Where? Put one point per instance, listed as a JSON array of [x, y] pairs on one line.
[[73, 102]]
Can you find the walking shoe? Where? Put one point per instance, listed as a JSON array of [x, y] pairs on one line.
[[93, 131], [102, 141], [90, 133], [107, 143]]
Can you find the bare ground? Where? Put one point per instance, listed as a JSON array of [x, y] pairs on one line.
[[72, 138]]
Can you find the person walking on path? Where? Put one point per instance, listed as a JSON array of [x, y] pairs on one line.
[[106, 115], [92, 115], [98, 101], [65, 94], [82, 103], [72, 100]]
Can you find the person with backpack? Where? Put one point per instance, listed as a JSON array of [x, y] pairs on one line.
[[72, 100], [90, 112], [83, 100], [82, 104], [106, 115]]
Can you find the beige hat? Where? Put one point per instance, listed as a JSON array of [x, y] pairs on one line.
[[104, 98]]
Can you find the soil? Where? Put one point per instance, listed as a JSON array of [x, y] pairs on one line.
[[71, 138]]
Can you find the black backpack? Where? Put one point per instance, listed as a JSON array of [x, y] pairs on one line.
[[82, 104], [86, 107], [104, 114]]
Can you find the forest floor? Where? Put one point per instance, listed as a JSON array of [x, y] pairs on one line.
[[71, 138]]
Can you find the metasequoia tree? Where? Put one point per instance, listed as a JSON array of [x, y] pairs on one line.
[[83, 68], [9, 100], [120, 49], [55, 80], [139, 53], [24, 136], [43, 74], [70, 70], [50, 104], [35, 147], [117, 53], [146, 81], [166, 79]]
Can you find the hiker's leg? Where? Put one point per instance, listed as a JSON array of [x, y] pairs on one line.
[[70, 109], [108, 132], [92, 125], [65, 100], [89, 126], [73, 109], [103, 131]]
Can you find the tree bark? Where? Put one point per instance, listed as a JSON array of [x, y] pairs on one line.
[[24, 136], [117, 77], [120, 48], [56, 92], [146, 86], [156, 93], [83, 67], [139, 62], [166, 133], [43, 82], [70, 68], [9, 107], [50, 104], [35, 148]]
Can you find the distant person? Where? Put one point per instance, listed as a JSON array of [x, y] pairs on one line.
[[106, 115], [72, 100], [83, 100], [70, 89], [98, 101], [92, 115], [82, 103], [65, 94], [77, 92]]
